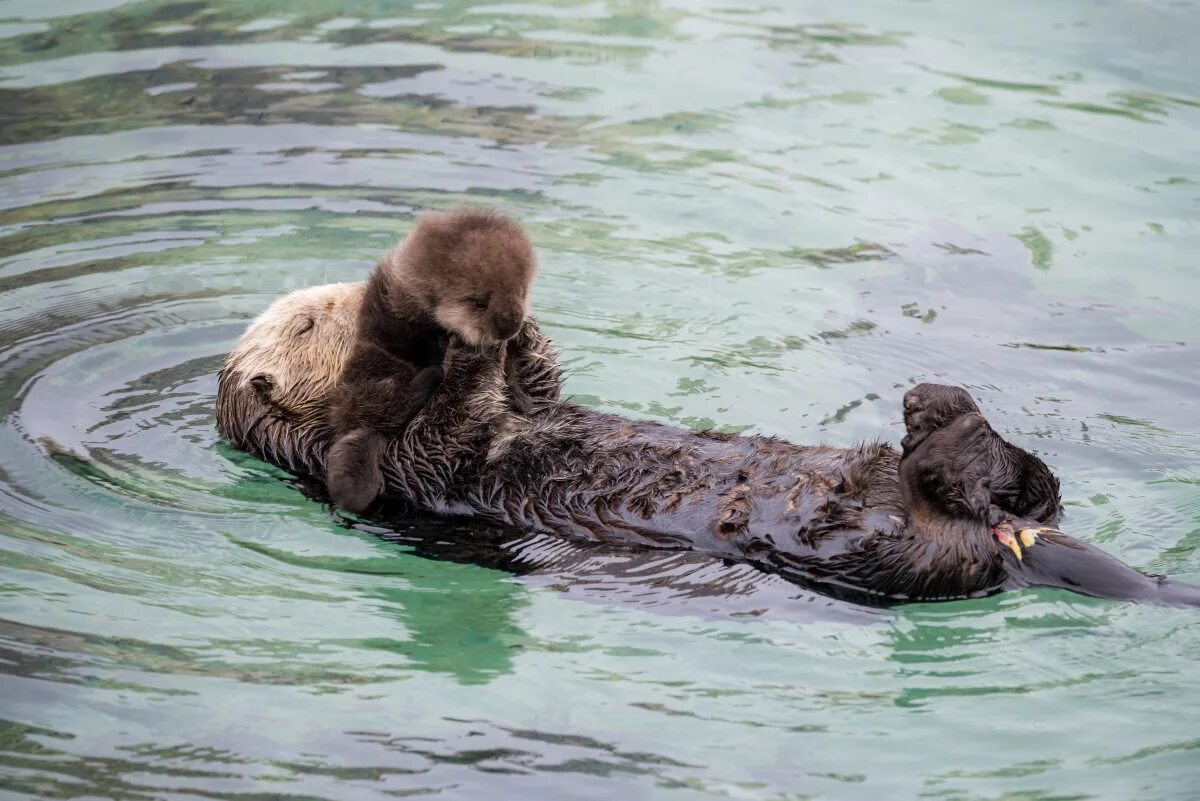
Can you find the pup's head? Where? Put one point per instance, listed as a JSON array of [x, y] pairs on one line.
[[472, 269]]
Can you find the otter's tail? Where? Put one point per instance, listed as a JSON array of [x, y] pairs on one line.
[[1057, 560]]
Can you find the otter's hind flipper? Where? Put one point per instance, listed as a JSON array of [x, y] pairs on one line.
[[352, 470], [1021, 483], [1058, 560], [1025, 484], [950, 472], [928, 407]]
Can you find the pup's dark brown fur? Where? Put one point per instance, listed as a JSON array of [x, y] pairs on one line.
[[464, 273]]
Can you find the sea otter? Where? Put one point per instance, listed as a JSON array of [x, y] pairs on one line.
[[462, 274], [857, 523]]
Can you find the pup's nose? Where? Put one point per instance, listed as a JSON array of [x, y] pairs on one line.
[[507, 326]]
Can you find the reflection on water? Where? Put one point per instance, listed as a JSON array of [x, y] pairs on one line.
[[763, 218]]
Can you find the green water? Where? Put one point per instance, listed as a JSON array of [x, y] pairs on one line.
[[770, 218]]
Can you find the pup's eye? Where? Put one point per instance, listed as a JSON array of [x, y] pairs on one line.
[[480, 303]]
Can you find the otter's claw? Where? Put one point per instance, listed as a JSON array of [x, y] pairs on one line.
[[1004, 533], [1016, 540]]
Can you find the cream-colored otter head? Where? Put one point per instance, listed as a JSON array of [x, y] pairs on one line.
[[294, 351], [471, 269], [276, 382]]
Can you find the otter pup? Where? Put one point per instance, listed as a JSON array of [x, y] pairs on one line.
[[461, 275]]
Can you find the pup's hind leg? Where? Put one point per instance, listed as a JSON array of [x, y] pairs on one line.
[[352, 470]]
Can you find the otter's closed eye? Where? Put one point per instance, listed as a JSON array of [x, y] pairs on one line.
[[304, 325]]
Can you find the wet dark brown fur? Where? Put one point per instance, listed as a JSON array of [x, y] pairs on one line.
[[464, 273], [854, 522], [1006, 476]]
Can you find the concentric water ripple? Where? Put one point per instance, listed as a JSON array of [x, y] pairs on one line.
[[761, 218]]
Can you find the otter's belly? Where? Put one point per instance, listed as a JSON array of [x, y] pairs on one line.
[[601, 478]]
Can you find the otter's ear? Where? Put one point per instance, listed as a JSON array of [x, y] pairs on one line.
[[262, 384]]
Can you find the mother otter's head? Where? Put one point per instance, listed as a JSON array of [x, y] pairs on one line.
[[273, 393]]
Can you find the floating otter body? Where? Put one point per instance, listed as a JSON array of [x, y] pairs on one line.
[[851, 522], [464, 273]]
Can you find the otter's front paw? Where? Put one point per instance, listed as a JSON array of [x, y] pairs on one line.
[[519, 400], [928, 407], [426, 382], [352, 471]]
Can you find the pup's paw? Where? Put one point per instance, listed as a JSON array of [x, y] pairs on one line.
[[352, 472]]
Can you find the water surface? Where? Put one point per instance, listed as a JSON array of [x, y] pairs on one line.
[[765, 218]]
